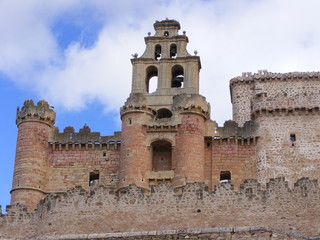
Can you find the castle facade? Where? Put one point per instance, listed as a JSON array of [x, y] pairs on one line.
[[167, 135]]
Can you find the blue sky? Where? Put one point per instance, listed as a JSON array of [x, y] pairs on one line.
[[76, 54]]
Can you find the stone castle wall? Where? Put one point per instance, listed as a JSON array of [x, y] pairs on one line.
[[285, 107], [72, 159], [79, 213], [73, 156], [252, 93], [288, 146]]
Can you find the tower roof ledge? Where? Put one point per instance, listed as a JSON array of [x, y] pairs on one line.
[[165, 24]]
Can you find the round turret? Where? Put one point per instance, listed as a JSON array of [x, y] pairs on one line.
[[30, 171], [134, 154]]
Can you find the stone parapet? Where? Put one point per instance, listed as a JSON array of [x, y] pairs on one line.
[[275, 207], [191, 103], [41, 112], [84, 136], [231, 131], [264, 75], [137, 102]]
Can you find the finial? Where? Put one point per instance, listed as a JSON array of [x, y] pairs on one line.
[[167, 18], [184, 32], [134, 55], [195, 52], [149, 33]]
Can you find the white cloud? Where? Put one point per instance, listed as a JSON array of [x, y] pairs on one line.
[[231, 36]]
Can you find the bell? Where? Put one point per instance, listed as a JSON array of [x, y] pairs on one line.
[[177, 82]]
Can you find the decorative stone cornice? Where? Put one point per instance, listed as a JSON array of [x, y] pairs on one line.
[[41, 112], [162, 128], [298, 104], [136, 108]]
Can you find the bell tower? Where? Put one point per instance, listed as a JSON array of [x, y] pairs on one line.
[[166, 58], [163, 131]]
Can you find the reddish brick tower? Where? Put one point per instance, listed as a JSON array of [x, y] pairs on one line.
[[163, 130], [30, 171]]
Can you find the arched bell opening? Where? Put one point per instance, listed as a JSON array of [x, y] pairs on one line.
[[161, 156], [157, 52], [177, 77], [151, 79], [173, 51], [163, 113]]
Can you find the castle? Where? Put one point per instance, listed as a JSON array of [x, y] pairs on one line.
[[169, 147]]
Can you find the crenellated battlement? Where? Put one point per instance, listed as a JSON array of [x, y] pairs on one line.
[[191, 103], [41, 112], [264, 75], [197, 208], [84, 139], [265, 92], [230, 132]]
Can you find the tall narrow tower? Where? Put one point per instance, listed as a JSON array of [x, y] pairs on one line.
[[163, 130], [30, 171]]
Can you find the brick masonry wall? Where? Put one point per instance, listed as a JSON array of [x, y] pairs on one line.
[[188, 154], [30, 171], [237, 157], [72, 167], [136, 158], [294, 211]]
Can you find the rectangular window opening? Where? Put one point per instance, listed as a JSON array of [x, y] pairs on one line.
[[225, 176], [94, 178]]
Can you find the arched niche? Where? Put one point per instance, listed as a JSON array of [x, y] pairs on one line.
[[161, 156], [163, 113]]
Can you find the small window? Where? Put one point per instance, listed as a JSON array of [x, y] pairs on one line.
[[225, 176], [166, 34], [94, 178], [292, 139]]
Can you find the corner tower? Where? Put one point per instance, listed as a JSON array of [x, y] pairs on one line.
[[30, 171], [163, 131]]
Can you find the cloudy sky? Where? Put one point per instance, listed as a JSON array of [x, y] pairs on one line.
[[76, 54]]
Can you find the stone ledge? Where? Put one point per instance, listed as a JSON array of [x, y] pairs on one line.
[[231, 230]]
